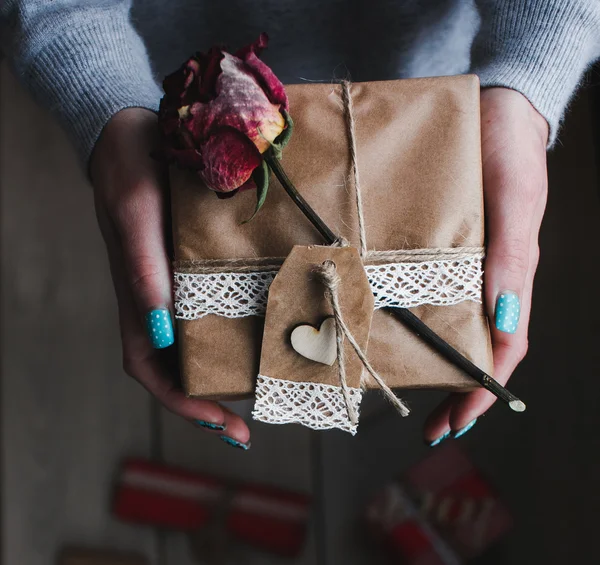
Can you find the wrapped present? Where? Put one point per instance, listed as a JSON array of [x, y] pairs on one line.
[[265, 517], [443, 511], [394, 169]]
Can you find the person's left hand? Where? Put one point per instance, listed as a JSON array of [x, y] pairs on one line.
[[130, 193], [514, 138]]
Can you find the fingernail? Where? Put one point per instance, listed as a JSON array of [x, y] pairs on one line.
[[508, 311], [160, 328], [464, 430], [235, 443], [440, 439], [210, 425]]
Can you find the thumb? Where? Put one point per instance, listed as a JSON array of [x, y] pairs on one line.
[[141, 230], [515, 201], [129, 187], [514, 208]]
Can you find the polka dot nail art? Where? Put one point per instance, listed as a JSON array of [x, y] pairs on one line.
[[160, 328], [508, 310]]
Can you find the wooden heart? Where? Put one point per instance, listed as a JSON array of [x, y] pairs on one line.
[[316, 344]]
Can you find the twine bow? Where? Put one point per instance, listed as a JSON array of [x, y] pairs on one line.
[[328, 275]]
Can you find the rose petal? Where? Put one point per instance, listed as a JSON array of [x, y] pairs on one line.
[[241, 104], [174, 85], [217, 92], [192, 68], [272, 86], [180, 87], [210, 70], [248, 185], [229, 158]]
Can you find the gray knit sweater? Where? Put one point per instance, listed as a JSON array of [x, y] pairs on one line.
[[87, 59]]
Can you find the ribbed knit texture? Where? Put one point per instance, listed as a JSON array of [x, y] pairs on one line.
[[539, 48], [84, 64], [84, 59]]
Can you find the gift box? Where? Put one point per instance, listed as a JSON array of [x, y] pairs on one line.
[[211, 509], [443, 511], [418, 154]]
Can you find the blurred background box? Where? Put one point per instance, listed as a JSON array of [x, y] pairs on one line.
[[442, 510], [99, 557]]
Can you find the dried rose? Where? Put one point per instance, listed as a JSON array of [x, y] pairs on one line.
[[220, 113]]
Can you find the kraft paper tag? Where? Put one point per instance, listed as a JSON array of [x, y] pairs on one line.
[[297, 298]]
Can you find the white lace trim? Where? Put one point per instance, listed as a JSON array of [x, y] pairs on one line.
[[315, 405], [236, 295]]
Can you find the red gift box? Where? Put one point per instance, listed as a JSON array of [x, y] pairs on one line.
[[441, 512], [265, 517]]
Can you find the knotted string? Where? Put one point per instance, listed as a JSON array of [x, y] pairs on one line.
[[328, 275], [351, 127], [330, 278]]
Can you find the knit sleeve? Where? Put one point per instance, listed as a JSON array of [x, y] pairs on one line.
[[541, 48], [81, 59]]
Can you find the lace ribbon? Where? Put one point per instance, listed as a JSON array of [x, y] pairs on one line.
[[439, 282], [315, 405]]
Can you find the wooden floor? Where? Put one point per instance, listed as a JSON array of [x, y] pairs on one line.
[[69, 414]]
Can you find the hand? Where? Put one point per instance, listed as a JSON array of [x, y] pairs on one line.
[[514, 138], [130, 197]]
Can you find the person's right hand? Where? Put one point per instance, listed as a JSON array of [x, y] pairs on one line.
[[514, 136], [130, 197]]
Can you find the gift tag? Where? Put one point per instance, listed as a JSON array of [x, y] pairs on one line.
[[299, 376]]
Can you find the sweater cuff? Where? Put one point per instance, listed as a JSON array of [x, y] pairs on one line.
[[540, 49], [92, 68]]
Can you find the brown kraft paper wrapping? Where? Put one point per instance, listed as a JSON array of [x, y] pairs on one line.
[[419, 156]]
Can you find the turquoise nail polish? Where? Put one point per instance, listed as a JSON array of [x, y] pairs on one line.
[[235, 443], [508, 310], [160, 328], [440, 439], [210, 425], [464, 430]]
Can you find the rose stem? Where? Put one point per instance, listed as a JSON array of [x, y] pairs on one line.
[[418, 327], [423, 331], [289, 187]]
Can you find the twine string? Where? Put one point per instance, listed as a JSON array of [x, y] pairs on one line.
[[351, 127], [328, 275], [209, 266]]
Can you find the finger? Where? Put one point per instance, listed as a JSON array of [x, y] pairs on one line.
[[504, 272], [466, 408], [134, 194], [514, 208], [457, 411], [437, 425], [144, 364], [148, 366], [140, 224]]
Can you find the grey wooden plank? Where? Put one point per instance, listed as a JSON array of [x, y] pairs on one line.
[[68, 412], [279, 456], [544, 462]]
